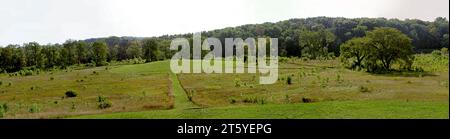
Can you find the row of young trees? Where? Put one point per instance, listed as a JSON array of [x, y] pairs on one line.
[[34, 55]]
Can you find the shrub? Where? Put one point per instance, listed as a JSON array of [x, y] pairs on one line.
[[51, 78], [71, 93], [103, 102], [289, 80], [363, 89]]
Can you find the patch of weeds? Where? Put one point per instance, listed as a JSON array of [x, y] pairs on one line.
[[73, 107], [51, 78], [339, 79]]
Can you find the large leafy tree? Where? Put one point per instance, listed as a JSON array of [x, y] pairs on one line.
[[99, 53]]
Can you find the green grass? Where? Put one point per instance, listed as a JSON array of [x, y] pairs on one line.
[[129, 88], [321, 110]]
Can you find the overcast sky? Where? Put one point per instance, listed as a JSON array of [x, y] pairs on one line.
[[54, 21]]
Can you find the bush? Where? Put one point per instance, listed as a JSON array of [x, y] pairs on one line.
[[103, 102], [289, 80], [71, 93]]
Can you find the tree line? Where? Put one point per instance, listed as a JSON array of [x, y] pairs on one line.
[[317, 37]]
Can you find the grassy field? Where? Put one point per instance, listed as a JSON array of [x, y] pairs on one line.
[[317, 89]]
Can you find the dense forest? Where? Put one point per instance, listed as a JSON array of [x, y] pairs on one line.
[[295, 38]]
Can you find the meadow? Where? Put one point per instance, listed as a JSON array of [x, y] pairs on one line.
[[305, 89]]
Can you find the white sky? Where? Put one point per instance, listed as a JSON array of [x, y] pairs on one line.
[[54, 21]]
